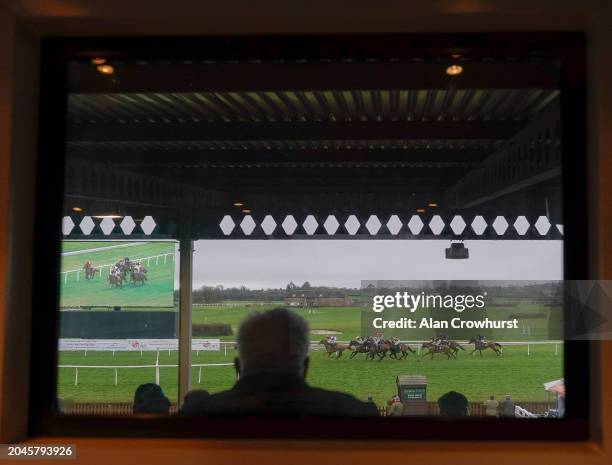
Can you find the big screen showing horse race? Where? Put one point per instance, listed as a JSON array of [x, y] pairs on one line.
[[111, 273]]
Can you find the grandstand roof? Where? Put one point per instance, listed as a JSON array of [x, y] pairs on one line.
[[320, 137]]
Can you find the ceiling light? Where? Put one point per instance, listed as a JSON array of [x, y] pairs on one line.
[[454, 70], [420, 210], [107, 216], [77, 209], [238, 204], [433, 204], [98, 61], [106, 69], [246, 210]]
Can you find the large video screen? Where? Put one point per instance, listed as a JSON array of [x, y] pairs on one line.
[[111, 273]]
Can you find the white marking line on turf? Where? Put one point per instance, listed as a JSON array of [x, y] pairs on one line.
[[98, 249]]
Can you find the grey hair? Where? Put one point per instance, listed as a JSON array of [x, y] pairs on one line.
[[275, 340]]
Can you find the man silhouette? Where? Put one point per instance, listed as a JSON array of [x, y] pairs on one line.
[[272, 366]]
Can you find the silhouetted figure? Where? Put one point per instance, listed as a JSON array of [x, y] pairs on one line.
[[491, 407], [453, 404], [395, 407], [193, 399], [507, 408], [149, 398], [272, 365]]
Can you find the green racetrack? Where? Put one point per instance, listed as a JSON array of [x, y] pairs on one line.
[[477, 377], [515, 373]]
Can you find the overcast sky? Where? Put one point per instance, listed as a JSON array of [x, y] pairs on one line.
[[273, 263]]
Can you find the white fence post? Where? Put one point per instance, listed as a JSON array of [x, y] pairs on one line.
[[115, 376], [157, 370], [66, 278], [225, 349], [556, 348], [528, 350], [76, 376], [200, 375]]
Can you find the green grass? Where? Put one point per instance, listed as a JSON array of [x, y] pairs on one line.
[[347, 320], [477, 377], [158, 290], [513, 373], [73, 246]]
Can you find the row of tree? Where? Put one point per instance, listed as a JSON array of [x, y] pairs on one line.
[[550, 291]]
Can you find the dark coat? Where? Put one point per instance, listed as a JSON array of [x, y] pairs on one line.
[[280, 394]]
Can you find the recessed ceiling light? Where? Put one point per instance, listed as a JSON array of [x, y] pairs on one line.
[[77, 209], [246, 210], [98, 61], [454, 70], [433, 204], [106, 69], [238, 204], [420, 210]]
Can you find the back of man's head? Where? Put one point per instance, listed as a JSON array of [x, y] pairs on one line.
[[453, 404], [273, 341], [149, 398]]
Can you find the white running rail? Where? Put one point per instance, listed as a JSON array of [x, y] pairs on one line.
[[157, 367]]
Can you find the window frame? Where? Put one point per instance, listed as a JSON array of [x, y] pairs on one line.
[[567, 48]]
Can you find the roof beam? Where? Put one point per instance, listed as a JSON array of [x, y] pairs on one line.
[[247, 131], [241, 77]]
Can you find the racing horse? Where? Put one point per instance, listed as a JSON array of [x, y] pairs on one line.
[[400, 348], [138, 277], [115, 280], [443, 348], [90, 270], [125, 266], [334, 348], [455, 346], [138, 274], [480, 346], [379, 349], [358, 348]]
